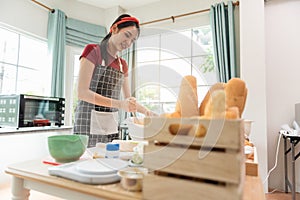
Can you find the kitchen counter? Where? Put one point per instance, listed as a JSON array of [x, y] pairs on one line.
[[22, 130]]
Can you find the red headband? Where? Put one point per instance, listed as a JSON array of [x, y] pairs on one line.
[[125, 19]]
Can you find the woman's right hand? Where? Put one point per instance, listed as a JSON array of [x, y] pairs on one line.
[[129, 104]]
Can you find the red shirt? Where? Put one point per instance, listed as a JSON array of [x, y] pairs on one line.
[[92, 52]]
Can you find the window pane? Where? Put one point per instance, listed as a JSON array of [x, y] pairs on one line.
[[177, 44], [146, 73], [202, 41], [32, 81], [8, 46], [173, 70], [30, 71], [148, 96], [148, 49], [201, 65], [33, 53], [146, 55], [76, 65], [7, 79], [75, 83], [168, 99]]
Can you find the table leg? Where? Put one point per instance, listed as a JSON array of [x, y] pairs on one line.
[[293, 172], [285, 167], [18, 190]]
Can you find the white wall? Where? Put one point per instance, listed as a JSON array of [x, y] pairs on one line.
[[30, 17], [253, 71], [282, 75], [21, 147]]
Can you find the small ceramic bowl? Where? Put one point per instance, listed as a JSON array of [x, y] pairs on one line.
[[132, 179], [247, 127], [67, 148]]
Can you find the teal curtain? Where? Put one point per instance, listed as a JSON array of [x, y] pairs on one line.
[[79, 33], [56, 46], [223, 35], [62, 31]]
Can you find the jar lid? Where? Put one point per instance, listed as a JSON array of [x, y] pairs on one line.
[[112, 147]]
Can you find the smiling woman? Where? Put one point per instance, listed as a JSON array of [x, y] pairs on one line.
[[102, 77]]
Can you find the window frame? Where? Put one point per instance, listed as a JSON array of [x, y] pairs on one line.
[[20, 35], [202, 88]]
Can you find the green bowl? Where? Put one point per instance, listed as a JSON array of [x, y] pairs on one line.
[[67, 148]]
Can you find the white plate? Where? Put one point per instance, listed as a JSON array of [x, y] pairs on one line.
[[100, 166], [88, 174]]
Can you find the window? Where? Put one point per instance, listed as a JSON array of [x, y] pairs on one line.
[[72, 71], [24, 64], [164, 59]]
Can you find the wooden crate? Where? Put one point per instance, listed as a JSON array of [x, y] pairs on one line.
[[187, 167]]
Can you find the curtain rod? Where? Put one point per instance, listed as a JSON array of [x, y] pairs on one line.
[[50, 9], [182, 15], [154, 21]]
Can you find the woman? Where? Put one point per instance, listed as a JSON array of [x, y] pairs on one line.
[[102, 75]]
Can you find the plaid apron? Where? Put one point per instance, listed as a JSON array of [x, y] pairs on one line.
[[106, 81]]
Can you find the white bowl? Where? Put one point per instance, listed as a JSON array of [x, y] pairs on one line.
[[247, 127], [135, 130]]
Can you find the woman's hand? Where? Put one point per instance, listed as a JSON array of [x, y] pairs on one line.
[[149, 113], [129, 104]]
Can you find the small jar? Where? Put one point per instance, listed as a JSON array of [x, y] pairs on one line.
[[112, 150]]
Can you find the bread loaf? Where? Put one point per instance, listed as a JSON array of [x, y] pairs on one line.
[[236, 94], [215, 107], [187, 102]]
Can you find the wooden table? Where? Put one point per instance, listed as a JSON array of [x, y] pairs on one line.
[[33, 175]]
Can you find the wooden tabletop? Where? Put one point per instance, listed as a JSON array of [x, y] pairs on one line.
[[37, 171]]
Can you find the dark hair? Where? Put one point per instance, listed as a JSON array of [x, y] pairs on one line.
[[103, 44]]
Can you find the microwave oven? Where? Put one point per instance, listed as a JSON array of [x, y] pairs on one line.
[[20, 110]]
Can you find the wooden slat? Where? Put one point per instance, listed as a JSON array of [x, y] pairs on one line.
[[215, 172], [220, 133], [166, 188], [212, 165]]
